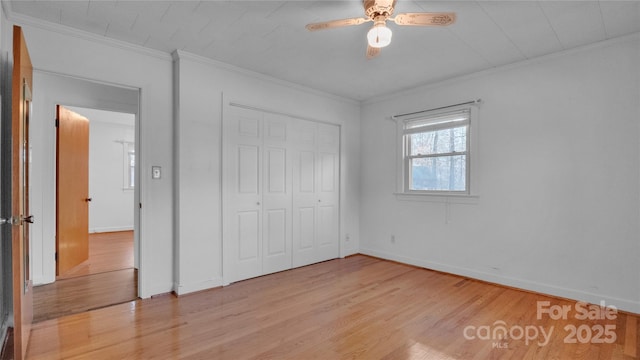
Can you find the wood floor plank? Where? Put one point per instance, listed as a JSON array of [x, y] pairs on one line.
[[630, 339], [84, 293], [106, 278], [107, 252], [356, 308]]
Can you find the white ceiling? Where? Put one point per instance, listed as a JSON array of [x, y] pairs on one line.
[[269, 36]]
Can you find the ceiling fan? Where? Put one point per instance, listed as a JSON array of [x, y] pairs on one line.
[[379, 11]]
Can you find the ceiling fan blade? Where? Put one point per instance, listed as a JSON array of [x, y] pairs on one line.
[[372, 52], [425, 19], [336, 23]]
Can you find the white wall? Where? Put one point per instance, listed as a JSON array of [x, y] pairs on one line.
[[558, 178], [57, 50], [111, 207], [200, 85]]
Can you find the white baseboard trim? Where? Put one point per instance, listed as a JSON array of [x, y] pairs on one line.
[[45, 279], [110, 229], [348, 253], [156, 289], [182, 289], [545, 289]]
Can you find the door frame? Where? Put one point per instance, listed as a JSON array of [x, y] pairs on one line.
[[136, 192], [74, 91], [85, 112]]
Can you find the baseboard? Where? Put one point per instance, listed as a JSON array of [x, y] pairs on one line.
[[547, 289], [348, 253], [181, 289], [110, 229], [37, 281]]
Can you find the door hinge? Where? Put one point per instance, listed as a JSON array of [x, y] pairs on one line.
[[140, 205], [56, 256], [57, 122]]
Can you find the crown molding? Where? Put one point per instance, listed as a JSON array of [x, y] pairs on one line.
[[19, 19], [448, 81], [23, 20], [181, 54]]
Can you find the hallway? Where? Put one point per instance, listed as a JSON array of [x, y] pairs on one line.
[[107, 278]]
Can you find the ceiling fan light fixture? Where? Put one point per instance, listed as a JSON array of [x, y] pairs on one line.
[[379, 36]]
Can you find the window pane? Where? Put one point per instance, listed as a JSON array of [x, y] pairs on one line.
[[444, 173], [439, 141], [132, 169]]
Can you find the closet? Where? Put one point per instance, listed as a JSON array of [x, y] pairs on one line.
[[280, 192]]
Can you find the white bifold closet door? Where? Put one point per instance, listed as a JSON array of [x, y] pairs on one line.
[[280, 193], [257, 201], [315, 192]]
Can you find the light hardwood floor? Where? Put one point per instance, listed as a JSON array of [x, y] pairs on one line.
[[107, 252], [354, 308], [106, 278]]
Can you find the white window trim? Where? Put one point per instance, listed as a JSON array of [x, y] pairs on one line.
[[127, 148], [472, 193]]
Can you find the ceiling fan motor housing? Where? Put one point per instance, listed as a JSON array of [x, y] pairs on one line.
[[375, 8]]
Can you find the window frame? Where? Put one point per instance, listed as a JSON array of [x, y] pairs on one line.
[[128, 149], [404, 160], [131, 174]]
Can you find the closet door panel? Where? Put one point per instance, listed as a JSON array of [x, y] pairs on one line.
[[277, 195], [242, 193], [305, 201], [275, 233], [328, 223], [248, 235]]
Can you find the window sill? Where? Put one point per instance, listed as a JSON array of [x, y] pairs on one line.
[[439, 198]]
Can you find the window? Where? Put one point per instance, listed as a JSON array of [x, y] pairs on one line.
[[132, 169], [129, 168], [435, 154]]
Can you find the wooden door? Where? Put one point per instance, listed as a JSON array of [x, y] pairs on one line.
[[242, 219], [72, 190], [20, 153], [276, 195]]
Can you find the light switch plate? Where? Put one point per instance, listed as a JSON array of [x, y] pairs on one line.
[[156, 172]]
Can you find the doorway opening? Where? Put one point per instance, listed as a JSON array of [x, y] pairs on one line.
[[95, 256]]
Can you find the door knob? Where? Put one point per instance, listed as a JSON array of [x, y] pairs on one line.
[[87, 199]]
